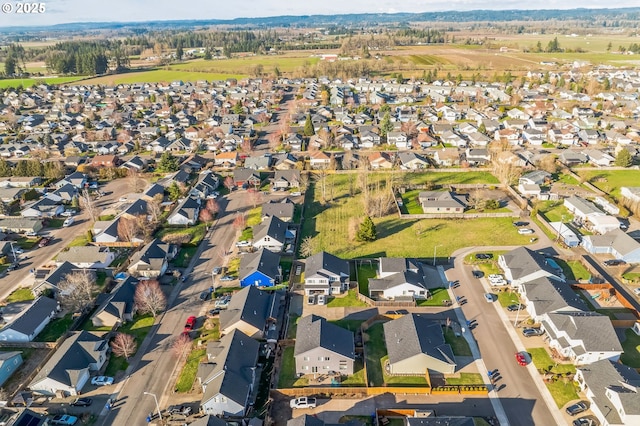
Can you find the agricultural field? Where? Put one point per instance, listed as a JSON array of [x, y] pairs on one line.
[[160, 75], [610, 181], [28, 82]]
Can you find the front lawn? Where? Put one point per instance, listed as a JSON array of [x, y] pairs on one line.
[[465, 379], [192, 235], [55, 223], [23, 294], [350, 299], [55, 329], [542, 360], [233, 267], [490, 268], [631, 346], [562, 391], [436, 297], [287, 378], [184, 256], [507, 298], [209, 332], [79, 241], [27, 243], [254, 216], [459, 345]]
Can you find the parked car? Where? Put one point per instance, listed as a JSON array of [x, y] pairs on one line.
[[205, 295], [102, 381], [577, 408], [636, 291], [488, 297], [322, 299], [227, 278], [82, 402], [519, 224], [18, 250], [303, 402], [31, 234], [530, 332], [615, 262], [243, 243], [478, 274], [222, 302], [516, 307], [185, 410], [44, 241], [190, 324], [216, 270], [585, 421], [68, 221], [521, 359], [213, 312], [483, 256], [64, 419], [525, 231]]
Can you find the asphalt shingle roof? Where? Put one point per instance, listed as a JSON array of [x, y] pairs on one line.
[[314, 331]]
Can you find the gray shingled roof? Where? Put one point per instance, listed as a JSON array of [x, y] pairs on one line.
[[263, 260], [314, 331], [440, 421], [594, 330], [84, 254], [551, 295], [443, 199], [120, 301], [413, 334], [585, 207], [272, 227], [325, 264], [278, 209], [522, 262], [33, 316], [399, 264], [393, 280], [617, 239], [209, 420], [252, 306], [152, 254]]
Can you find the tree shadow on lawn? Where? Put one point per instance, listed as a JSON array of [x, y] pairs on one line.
[[393, 226]]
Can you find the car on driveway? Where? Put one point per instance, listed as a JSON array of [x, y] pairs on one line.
[[515, 307], [488, 297], [64, 419], [18, 250], [525, 231], [190, 324], [530, 332], [216, 270], [484, 256], [614, 262], [82, 402], [521, 359], [519, 224], [227, 278], [185, 410], [585, 421], [243, 243], [213, 312], [102, 381], [577, 408]]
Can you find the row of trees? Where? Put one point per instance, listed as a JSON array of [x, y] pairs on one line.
[[33, 167]]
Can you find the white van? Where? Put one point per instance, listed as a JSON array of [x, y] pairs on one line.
[[68, 221]]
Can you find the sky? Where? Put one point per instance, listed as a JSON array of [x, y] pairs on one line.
[[66, 11]]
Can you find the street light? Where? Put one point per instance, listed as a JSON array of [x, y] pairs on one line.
[[435, 248], [157, 406]]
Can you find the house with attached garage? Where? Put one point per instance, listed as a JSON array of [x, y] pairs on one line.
[[94, 257], [284, 209], [447, 157], [230, 375], [76, 179], [617, 243], [415, 344], [152, 260], [544, 295], [20, 225], [326, 274], [536, 177], [412, 161], [380, 160], [322, 347], [260, 269], [245, 178], [45, 207], [117, 307], [9, 363], [285, 179], [226, 159], [613, 392], [186, 212], [522, 265], [52, 280], [256, 313], [440, 202], [70, 367], [272, 234], [26, 326], [582, 337], [398, 278], [598, 158]]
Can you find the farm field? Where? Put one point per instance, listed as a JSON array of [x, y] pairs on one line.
[[28, 82], [160, 75], [610, 181], [328, 225]]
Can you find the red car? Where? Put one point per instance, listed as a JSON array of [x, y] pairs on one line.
[[44, 241], [190, 324], [521, 359]]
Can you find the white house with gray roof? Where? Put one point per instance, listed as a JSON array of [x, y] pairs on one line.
[[632, 193], [326, 274], [94, 257], [613, 391], [522, 265], [30, 322], [582, 337], [322, 347], [415, 345], [617, 243], [442, 202], [544, 295]]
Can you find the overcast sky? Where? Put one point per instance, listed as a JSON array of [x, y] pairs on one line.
[[65, 11]]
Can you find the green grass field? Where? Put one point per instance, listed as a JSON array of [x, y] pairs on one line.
[[554, 211], [160, 75], [28, 82], [610, 181], [631, 346]]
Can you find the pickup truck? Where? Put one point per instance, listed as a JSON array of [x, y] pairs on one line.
[[303, 402]]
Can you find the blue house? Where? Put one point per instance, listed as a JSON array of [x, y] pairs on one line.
[[9, 363], [260, 269]]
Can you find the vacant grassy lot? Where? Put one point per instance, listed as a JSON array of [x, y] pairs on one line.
[[631, 346], [610, 181], [246, 66], [28, 82], [194, 233], [554, 211], [329, 226], [20, 295]]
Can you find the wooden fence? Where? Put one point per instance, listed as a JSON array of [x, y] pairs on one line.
[[457, 215], [385, 303], [361, 392]]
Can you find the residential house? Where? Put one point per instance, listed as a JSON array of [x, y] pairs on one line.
[[536, 177], [613, 392], [186, 212], [45, 207], [285, 179], [380, 160], [447, 157], [260, 269], [415, 345], [544, 295], [442, 202], [412, 161], [582, 337], [226, 159], [272, 233], [572, 158], [30, 322], [76, 179], [68, 370], [20, 225], [230, 376], [10, 361], [599, 158], [319, 160], [10, 194], [261, 162], [255, 312], [118, 306], [93, 257], [52, 280], [245, 178], [477, 157], [284, 209], [399, 139], [326, 274], [590, 215], [398, 279], [631, 193], [620, 245], [322, 347], [135, 163], [152, 260], [522, 265], [284, 161], [105, 161]]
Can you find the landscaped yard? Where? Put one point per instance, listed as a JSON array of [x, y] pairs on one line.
[[574, 270], [459, 345], [562, 388], [79, 241], [375, 351], [489, 268], [465, 379], [23, 294], [55, 223], [350, 299], [542, 360], [554, 211], [55, 329], [210, 331], [631, 347], [357, 378], [401, 380], [610, 181], [507, 298], [288, 377], [27, 243], [437, 296], [563, 391]]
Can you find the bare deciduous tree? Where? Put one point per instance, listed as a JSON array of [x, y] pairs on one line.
[[255, 197], [136, 182], [181, 344], [124, 345], [205, 216], [228, 183], [77, 289], [128, 228], [149, 297], [240, 222], [88, 204], [477, 199], [154, 208], [307, 247], [212, 206]]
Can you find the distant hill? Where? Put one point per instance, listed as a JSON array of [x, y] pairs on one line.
[[360, 20]]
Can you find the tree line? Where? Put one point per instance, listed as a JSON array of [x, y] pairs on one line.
[[33, 167]]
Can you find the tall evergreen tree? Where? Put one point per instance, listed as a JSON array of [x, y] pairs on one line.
[[308, 127], [367, 230]]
